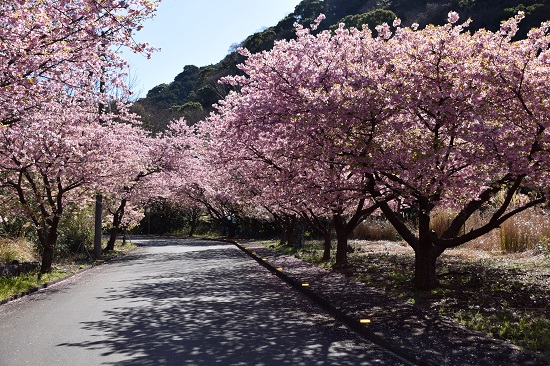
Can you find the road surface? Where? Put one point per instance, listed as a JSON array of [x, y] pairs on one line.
[[177, 302]]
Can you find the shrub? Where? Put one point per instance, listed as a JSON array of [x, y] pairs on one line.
[[76, 231], [14, 227]]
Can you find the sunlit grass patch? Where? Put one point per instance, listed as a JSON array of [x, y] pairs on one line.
[[311, 253], [119, 249], [12, 286], [15, 285]]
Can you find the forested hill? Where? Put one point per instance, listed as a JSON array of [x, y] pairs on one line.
[[195, 89]]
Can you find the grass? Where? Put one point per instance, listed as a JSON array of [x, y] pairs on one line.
[[532, 332], [504, 295], [119, 249], [313, 252], [12, 286]]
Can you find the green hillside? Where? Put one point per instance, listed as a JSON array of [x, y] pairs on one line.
[[195, 89]]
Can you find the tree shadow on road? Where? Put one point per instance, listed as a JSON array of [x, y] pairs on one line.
[[206, 303]]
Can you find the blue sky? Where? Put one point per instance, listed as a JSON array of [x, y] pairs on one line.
[[198, 32]]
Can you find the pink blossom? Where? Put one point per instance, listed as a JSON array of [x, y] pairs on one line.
[[453, 17]]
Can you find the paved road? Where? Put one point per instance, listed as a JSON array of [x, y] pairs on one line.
[[177, 302]]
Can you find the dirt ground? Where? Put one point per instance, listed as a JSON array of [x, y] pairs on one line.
[[504, 295]]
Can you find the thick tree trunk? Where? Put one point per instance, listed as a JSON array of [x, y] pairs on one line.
[[124, 236], [48, 240], [113, 234], [425, 277], [47, 258], [343, 231], [341, 248]]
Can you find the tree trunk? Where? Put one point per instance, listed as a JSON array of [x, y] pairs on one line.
[[232, 228], [341, 248], [322, 226], [113, 234], [193, 227], [117, 221], [342, 233], [98, 226], [47, 258], [298, 239], [194, 215], [425, 277], [193, 223], [286, 234], [327, 245], [48, 241], [287, 225]]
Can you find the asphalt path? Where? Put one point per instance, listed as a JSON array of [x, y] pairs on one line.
[[177, 302]]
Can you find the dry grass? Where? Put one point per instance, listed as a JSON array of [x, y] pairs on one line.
[[19, 249], [528, 231], [375, 228]]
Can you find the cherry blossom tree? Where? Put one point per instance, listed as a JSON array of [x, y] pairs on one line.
[[69, 44], [60, 66], [468, 126], [47, 163], [197, 181], [139, 157], [184, 177], [288, 128], [439, 118]]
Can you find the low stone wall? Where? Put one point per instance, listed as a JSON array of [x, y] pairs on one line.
[[15, 268]]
